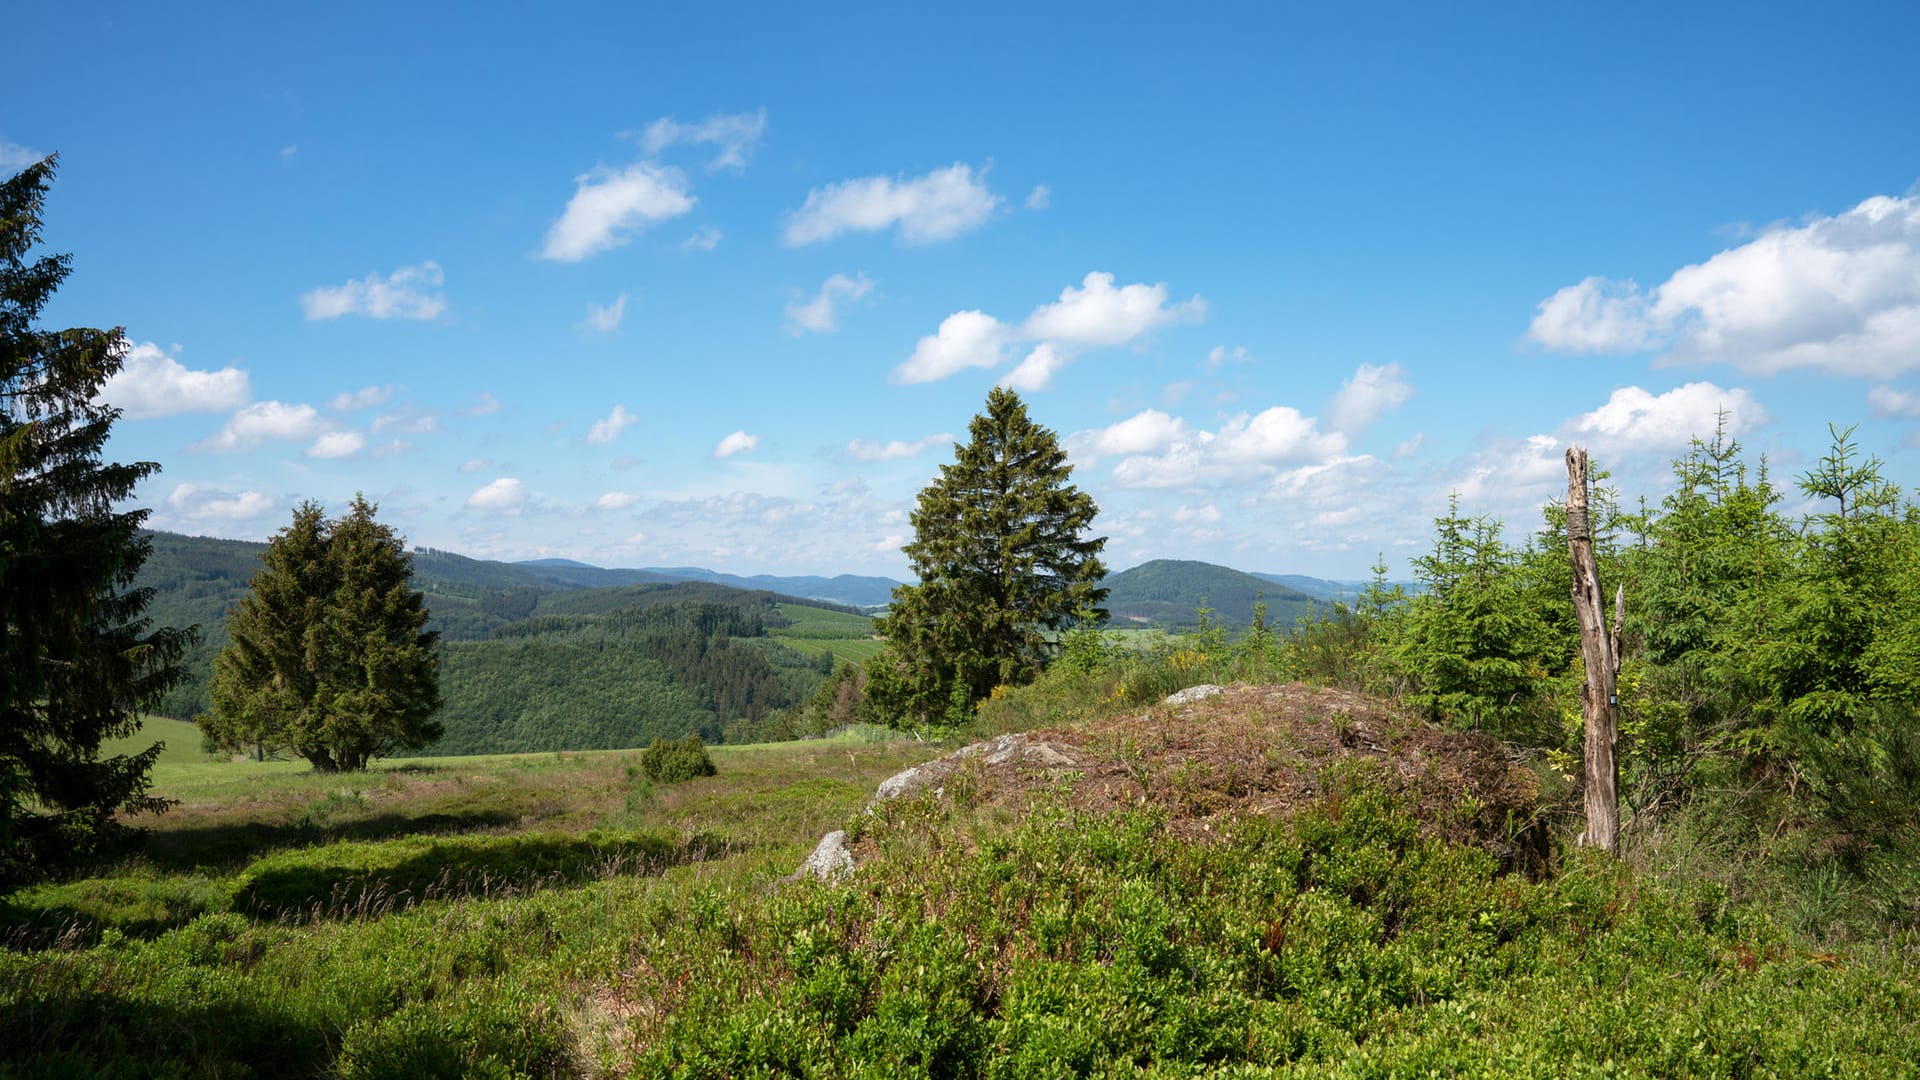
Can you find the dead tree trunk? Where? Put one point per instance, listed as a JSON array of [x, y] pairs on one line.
[[1601, 651]]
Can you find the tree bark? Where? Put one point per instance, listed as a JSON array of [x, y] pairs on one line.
[[1601, 652]]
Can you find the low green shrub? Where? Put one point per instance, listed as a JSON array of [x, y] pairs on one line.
[[1343, 942], [485, 1032], [670, 761]]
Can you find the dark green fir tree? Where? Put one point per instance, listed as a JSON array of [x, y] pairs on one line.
[[330, 657], [78, 660], [1005, 557]]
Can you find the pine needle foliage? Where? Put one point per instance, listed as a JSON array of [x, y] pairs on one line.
[[330, 656], [1005, 557], [78, 658]]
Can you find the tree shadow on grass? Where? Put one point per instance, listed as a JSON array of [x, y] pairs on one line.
[[82, 1031], [230, 846], [350, 881]]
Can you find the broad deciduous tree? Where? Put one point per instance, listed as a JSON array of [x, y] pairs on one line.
[[78, 658], [1004, 555], [330, 655]]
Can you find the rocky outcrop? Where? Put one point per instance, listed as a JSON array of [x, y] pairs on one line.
[[830, 860]]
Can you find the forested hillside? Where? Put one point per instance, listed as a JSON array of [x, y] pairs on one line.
[[1168, 592], [621, 678], [532, 661]]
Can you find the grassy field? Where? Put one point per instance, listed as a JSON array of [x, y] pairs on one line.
[[559, 914], [848, 637]]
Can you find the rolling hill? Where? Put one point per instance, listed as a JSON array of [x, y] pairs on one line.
[[1168, 592], [534, 659]]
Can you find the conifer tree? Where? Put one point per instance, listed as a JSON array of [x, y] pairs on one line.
[[78, 659], [1004, 556], [330, 656]]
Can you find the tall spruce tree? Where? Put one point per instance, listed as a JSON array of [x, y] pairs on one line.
[[330, 656], [1004, 556], [78, 659]]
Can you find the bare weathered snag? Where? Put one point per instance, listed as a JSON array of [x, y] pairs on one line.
[[1601, 651]]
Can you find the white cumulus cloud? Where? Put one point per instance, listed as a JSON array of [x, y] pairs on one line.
[[1891, 402], [1040, 197], [265, 420], [737, 443], [938, 206], [411, 292], [704, 238], [733, 136], [610, 206], [1037, 370], [616, 500], [1635, 419], [1372, 392], [865, 451], [818, 315], [1245, 445], [1594, 316], [966, 339], [1141, 433], [1837, 293], [1279, 435], [198, 503], [151, 383], [504, 495], [608, 429], [337, 444], [1097, 314]]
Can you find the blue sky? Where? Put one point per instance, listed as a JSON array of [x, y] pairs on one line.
[[720, 287]]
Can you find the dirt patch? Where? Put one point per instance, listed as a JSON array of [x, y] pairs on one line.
[[1258, 750]]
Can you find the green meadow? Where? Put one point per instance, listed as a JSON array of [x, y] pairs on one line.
[[560, 915]]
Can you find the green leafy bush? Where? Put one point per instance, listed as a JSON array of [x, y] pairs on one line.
[[670, 761]]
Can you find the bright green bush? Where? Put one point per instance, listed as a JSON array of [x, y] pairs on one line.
[[670, 761]]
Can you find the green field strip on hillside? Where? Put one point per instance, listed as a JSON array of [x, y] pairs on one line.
[[854, 652]]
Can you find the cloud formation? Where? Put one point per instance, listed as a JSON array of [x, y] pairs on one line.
[[337, 444], [965, 339], [608, 429], [364, 398], [733, 135], [1142, 433], [411, 292], [152, 383], [864, 451], [704, 238], [1040, 197], [1634, 419], [606, 319], [818, 314], [196, 503], [505, 495], [1372, 392], [1838, 293], [1246, 444], [737, 443], [1095, 314], [611, 206], [938, 206], [1888, 401], [264, 420]]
